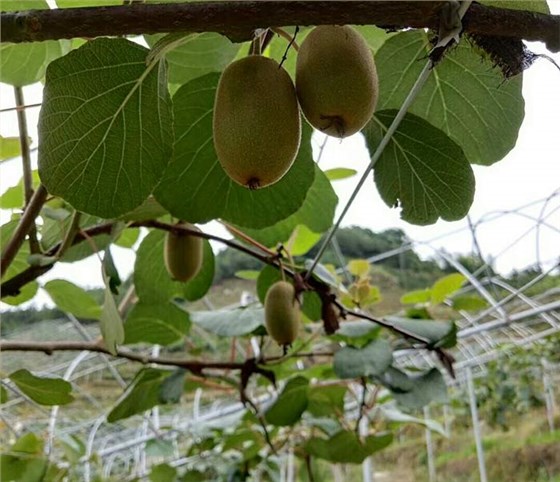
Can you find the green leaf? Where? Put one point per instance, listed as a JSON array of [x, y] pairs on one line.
[[326, 401], [105, 131], [301, 240], [43, 390], [316, 213], [154, 284], [25, 63], [425, 388], [339, 173], [163, 473], [374, 36], [159, 323], [416, 297], [237, 322], [421, 170], [24, 460], [247, 274], [196, 188], [446, 286], [438, 333], [359, 267], [529, 5], [72, 299], [110, 322], [172, 387], [86, 3], [346, 448], [469, 303], [357, 332], [3, 394], [197, 55], [10, 146], [141, 395], [128, 238], [290, 404], [465, 96], [396, 416], [373, 359], [55, 226]]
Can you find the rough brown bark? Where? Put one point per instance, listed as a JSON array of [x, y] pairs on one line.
[[238, 19]]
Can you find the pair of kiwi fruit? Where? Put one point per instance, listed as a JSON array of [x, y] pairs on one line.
[[257, 122]]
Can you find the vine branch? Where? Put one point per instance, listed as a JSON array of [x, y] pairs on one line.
[[238, 19], [26, 223]]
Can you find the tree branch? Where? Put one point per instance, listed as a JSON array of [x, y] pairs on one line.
[[238, 19], [194, 366], [12, 286], [26, 222], [26, 164]]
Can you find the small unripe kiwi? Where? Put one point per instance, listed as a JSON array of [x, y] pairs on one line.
[[336, 80], [183, 254], [257, 124], [281, 313]]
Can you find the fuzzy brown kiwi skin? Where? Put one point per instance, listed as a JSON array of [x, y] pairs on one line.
[[257, 122], [183, 254], [336, 80], [281, 312]]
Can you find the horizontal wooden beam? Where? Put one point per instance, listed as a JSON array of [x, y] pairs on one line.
[[238, 19]]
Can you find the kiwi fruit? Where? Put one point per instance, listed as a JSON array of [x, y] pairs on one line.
[[183, 254], [281, 313], [257, 123], [336, 80]]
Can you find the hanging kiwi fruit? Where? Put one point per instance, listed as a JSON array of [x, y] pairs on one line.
[[281, 313], [257, 124], [183, 253], [336, 80]]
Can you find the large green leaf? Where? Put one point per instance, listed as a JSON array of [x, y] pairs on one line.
[[142, 394], [237, 322], [395, 416], [44, 391], [197, 55], [154, 284], [373, 359], [421, 170], [105, 130], [465, 96], [72, 299], [18, 264], [9, 146], [160, 323], [196, 188], [346, 448], [316, 213], [290, 404]]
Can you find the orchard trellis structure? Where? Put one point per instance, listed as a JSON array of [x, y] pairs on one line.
[[409, 131], [529, 320]]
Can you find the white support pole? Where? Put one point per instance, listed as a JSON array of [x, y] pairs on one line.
[[367, 464], [476, 426], [430, 448], [291, 467]]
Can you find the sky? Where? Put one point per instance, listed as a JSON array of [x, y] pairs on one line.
[[530, 172]]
